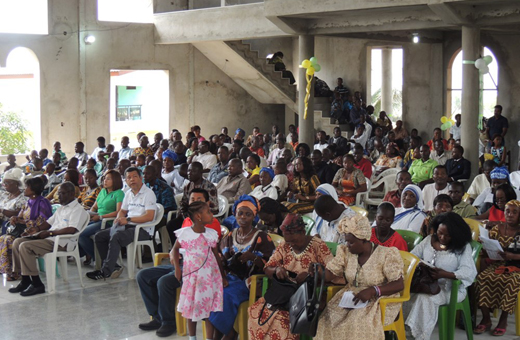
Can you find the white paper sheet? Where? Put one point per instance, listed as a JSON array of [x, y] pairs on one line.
[[483, 232], [347, 301], [492, 247]]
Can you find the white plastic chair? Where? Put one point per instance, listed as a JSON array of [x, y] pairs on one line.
[[362, 197], [376, 197], [134, 247], [387, 172], [51, 258], [223, 207]]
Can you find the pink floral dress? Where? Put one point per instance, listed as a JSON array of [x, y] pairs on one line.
[[202, 289]]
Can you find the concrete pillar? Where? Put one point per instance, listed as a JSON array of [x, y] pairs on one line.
[[470, 97], [306, 51], [386, 83]]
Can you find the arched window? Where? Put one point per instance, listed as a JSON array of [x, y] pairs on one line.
[[20, 92], [488, 85]]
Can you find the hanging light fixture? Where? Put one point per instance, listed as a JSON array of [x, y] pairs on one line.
[[89, 39], [415, 38]]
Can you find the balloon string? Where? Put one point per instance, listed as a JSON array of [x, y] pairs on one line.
[[308, 94], [493, 80]]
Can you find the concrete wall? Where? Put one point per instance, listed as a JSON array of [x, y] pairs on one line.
[[199, 92], [423, 88]]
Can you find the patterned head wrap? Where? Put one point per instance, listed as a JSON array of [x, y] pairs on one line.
[[15, 174], [356, 225], [247, 201], [500, 173], [269, 171], [170, 154], [293, 224]]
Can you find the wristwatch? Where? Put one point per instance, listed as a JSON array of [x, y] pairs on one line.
[[50, 234], [129, 219]]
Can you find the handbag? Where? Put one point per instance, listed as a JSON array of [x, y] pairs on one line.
[[305, 303], [16, 230], [277, 296], [422, 281]]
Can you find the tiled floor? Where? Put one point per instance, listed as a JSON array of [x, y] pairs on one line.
[[109, 309]]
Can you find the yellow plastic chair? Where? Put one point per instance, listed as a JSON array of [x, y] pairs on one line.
[[359, 210], [474, 226], [241, 321], [277, 239], [410, 263]]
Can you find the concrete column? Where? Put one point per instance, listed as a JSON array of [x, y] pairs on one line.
[[386, 84], [470, 97], [306, 51]]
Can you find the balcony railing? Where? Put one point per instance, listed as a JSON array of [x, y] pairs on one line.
[[128, 112]]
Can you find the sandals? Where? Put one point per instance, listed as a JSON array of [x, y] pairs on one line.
[[481, 329], [13, 278], [499, 331]]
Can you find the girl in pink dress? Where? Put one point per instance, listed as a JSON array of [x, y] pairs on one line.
[[202, 274]]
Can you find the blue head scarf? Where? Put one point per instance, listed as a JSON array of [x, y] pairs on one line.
[[269, 171], [170, 154], [500, 173], [231, 221]]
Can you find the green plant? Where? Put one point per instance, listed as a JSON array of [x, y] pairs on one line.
[[397, 103], [14, 134]]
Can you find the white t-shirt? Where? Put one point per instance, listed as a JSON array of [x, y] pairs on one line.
[[429, 194], [320, 147], [70, 215], [268, 191], [455, 131], [137, 205], [328, 231], [281, 182], [208, 160]]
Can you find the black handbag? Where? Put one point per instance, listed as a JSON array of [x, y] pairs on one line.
[[422, 281], [16, 230], [277, 296], [305, 304]]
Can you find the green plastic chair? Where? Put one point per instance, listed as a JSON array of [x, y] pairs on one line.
[[448, 313], [412, 238], [332, 247], [309, 224]]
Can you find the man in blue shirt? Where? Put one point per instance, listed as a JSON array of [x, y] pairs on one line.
[[221, 169]]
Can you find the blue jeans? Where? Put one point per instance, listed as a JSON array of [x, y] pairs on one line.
[[86, 244], [158, 287]]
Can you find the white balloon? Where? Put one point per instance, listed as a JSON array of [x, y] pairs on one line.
[[484, 70], [480, 63]]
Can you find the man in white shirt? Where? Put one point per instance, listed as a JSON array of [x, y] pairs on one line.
[[440, 186], [139, 206], [481, 182], [101, 147], [322, 141], [81, 155], [277, 150], [361, 137], [331, 212], [68, 219], [439, 154], [125, 152], [203, 156], [456, 128]]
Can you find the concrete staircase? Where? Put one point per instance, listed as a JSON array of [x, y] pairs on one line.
[[322, 119], [251, 72]]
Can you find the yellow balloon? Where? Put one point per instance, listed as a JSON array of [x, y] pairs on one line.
[[306, 63], [444, 119], [310, 71]]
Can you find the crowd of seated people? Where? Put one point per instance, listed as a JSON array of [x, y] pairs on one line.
[[270, 184]]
